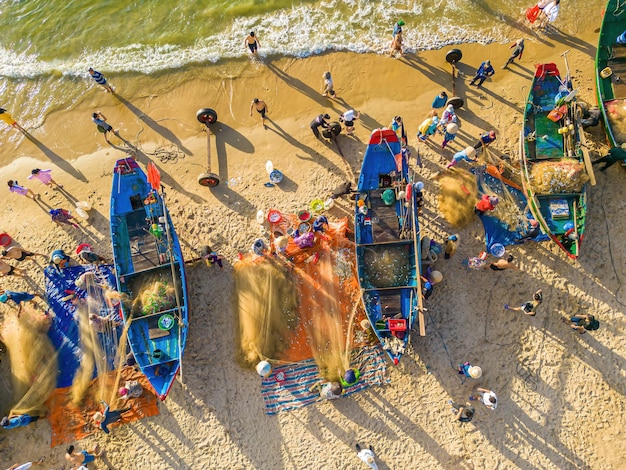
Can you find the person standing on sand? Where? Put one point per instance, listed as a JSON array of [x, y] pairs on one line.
[[488, 397], [7, 270], [329, 86], [367, 456], [319, 121], [100, 120], [348, 119], [503, 264], [83, 457], [100, 80], [485, 139], [484, 70], [44, 176], [440, 100], [17, 253], [253, 43], [6, 117], [530, 307], [517, 52], [451, 245], [21, 190], [261, 108]]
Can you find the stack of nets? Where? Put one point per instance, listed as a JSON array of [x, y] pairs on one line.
[[565, 176]]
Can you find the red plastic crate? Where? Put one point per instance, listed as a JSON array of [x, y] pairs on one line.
[[397, 325]]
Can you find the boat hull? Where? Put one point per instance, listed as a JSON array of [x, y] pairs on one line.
[[611, 88], [147, 254], [561, 215], [387, 247]]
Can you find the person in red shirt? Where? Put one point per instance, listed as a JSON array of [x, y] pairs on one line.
[[486, 203]]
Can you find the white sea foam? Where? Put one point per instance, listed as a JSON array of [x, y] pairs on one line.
[[303, 30]]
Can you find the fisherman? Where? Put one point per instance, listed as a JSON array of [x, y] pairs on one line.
[[449, 134], [616, 154], [466, 154], [367, 456], [583, 322], [397, 28], [440, 100], [517, 52], [18, 253], [107, 416], [17, 421], [452, 243], [319, 121], [18, 298], [486, 203], [485, 139], [463, 413], [484, 70]]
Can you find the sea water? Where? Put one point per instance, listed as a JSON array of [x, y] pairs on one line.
[[46, 47]]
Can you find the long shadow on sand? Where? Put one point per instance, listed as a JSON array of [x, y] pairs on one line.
[[152, 124], [56, 158]]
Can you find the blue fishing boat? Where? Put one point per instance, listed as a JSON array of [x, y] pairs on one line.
[[387, 244], [149, 269], [550, 143]]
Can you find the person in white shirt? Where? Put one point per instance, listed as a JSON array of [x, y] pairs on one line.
[[488, 397], [348, 119], [367, 456]]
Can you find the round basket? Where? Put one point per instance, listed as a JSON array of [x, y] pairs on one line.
[[5, 239], [317, 205], [84, 205], [166, 322], [304, 215], [274, 216], [497, 250], [304, 227]]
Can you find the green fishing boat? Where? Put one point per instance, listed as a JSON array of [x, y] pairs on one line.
[[611, 71]]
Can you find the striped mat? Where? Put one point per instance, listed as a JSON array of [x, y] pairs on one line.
[[288, 386]]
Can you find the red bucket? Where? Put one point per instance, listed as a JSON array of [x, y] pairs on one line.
[[5, 239]]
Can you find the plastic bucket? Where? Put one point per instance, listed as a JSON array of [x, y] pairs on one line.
[[274, 216], [5, 239], [317, 205], [83, 205], [497, 250], [82, 213], [304, 215]]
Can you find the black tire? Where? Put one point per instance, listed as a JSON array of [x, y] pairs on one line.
[[209, 180], [456, 102], [335, 129], [206, 116], [453, 56], [582, 109]]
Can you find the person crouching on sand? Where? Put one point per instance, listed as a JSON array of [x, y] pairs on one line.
[[530, 307], [107, 416]]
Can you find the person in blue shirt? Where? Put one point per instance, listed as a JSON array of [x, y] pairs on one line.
[[100, 80], [485, 70], [17, 297], [17, 421], [440, 100]]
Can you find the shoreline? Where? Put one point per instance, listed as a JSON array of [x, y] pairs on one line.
[[558, 391]]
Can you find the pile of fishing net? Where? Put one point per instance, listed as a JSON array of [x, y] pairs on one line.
[[616, 112], [565, 176], [457, 197]]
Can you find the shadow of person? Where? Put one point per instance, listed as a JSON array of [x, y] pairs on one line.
[[56, 158], [154, 125]]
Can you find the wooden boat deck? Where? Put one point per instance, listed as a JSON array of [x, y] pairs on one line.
[[617, 63], [385, 222]]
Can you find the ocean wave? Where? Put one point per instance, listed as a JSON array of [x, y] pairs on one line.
[[300, 31]]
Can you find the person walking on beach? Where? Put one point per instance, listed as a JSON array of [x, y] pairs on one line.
[[319, 121], [44, 176], [329, 87], [19, 254], [7, 270], [484, 70], [7, 118], [440, 101], [348, 119], [462, 413], [21, 190], [100, 80], [100, 120], [17, 297], [583, 322], [488, 398], [517, 52], [107, 416], [367, 456], [616, 154], [253, 43], [549, 14], [261, 108], [503, 264], [529, 307], [83, 457]]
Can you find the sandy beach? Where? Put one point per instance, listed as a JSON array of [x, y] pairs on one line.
[[561, 395]]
